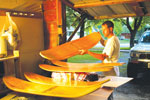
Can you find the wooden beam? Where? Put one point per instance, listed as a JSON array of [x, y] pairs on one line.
[[71, 5], [137, 9], [104, 3], [82, 28], [115, 16]]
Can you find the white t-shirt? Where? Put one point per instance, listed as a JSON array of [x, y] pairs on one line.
[[112, 49]]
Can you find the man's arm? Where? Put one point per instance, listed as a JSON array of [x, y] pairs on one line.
[[98, 56]]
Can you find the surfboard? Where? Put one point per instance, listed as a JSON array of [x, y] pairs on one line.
[[84, 65], [75, 68], [23, 86], [71, 48], [36, 78]]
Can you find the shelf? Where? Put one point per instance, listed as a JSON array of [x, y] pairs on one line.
[[9, 57]]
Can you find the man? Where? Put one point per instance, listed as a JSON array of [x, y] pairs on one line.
[[112, 47]]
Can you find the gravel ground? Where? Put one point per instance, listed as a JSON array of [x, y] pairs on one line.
[[137, 89], [123, 58]]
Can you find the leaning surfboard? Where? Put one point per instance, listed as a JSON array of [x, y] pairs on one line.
[[19, 85], [35, 78], [71, 48]]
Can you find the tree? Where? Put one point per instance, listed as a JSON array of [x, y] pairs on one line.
[[137, 24]]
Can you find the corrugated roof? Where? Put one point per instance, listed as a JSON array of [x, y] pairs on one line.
[[101, 9]]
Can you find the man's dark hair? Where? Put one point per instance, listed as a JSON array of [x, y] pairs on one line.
[[109, 24]]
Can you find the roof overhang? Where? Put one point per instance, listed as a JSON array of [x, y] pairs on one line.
[[94, 9], [103, 9]]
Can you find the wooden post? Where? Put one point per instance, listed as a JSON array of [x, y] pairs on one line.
[[46, 33], [82, 29], [81, 22], [53, 19], [64, 34]]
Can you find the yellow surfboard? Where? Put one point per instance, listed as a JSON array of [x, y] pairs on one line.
[[32, 77], [19, 85], [71, 48], [75, 68], [84, 65]]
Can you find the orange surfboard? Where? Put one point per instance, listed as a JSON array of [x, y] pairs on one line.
[[71, 48], [75, 68], [32, 77], [84, 65], [23, 86]]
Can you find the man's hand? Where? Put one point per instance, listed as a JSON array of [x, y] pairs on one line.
[[105, 56], [82, 52]]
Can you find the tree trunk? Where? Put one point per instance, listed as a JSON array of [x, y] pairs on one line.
[[133, 33], [137, 23]]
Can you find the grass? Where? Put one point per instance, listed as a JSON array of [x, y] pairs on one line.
[[84, 58], [125, 41], [124, 48], [87, 58], [101, 48]]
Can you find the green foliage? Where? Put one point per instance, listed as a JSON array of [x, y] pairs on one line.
[[146, 20], [117, 27], [90, 25], [141, 29], [95, 25], [125, 29], [72, 17]]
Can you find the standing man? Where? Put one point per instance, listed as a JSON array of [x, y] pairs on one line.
[[111, 47], [111, 50]]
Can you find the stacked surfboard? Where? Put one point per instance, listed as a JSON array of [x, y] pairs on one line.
[[67, 87]]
